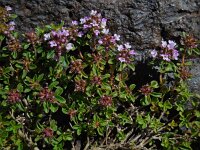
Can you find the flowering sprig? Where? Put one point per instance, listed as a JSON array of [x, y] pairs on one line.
[[168, 51], [124, 53], [64, 39]]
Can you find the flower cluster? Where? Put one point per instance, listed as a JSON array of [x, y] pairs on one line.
[[59, 40], [48, 132], [76, 66], [46, 95], [32, 38], [167, 52], [97, 80], [146, 90], [189, 41], [14, 96], [80, 85], [95, 26], [125, 53], [106, 100], [5, 25], [14, 44]]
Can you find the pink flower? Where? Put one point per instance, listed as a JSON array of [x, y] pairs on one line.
[[127, 45], [171, 44], [94, 23], [164, 44], [121, 59], [117, 37], [80, 34], [52, 43], [74, 22], [65, 32], [100, 41], [69, 46], [154, 53], [105, 31], [175, 54], [120, 47], [93, 12], [83, 20], [103, 22], [47, 36], [132, 52], [8, 8], [165, 57]]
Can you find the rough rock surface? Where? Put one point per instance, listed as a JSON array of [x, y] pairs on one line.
[[141, 22]]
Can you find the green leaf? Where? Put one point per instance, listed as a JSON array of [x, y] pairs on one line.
[[132, 86], [167, 105], [26, 46], [122, 66], [53, 84], [155, 94], [60, 99], [111, 61], [146, 100], [131, 66], [53, 108], [154, 84], [46, 107], [105, 76], [50, 54], [20, 87], [67, 136], [65, 111], [14, 54], [106, 86], [32, 66], [24, 73], [40, 77], [59, 91]]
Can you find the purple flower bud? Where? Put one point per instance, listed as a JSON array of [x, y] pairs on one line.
[[94, 23], [12, 28], [175, 54], [154, 53], [96, 32], [132, 52], [100, 41], [12, 23], [85, 26], [53, 33]]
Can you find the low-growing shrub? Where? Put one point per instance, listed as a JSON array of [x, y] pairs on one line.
[[76, 86]]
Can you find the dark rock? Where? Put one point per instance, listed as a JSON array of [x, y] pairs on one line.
[[194, 83], [144, 23]]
